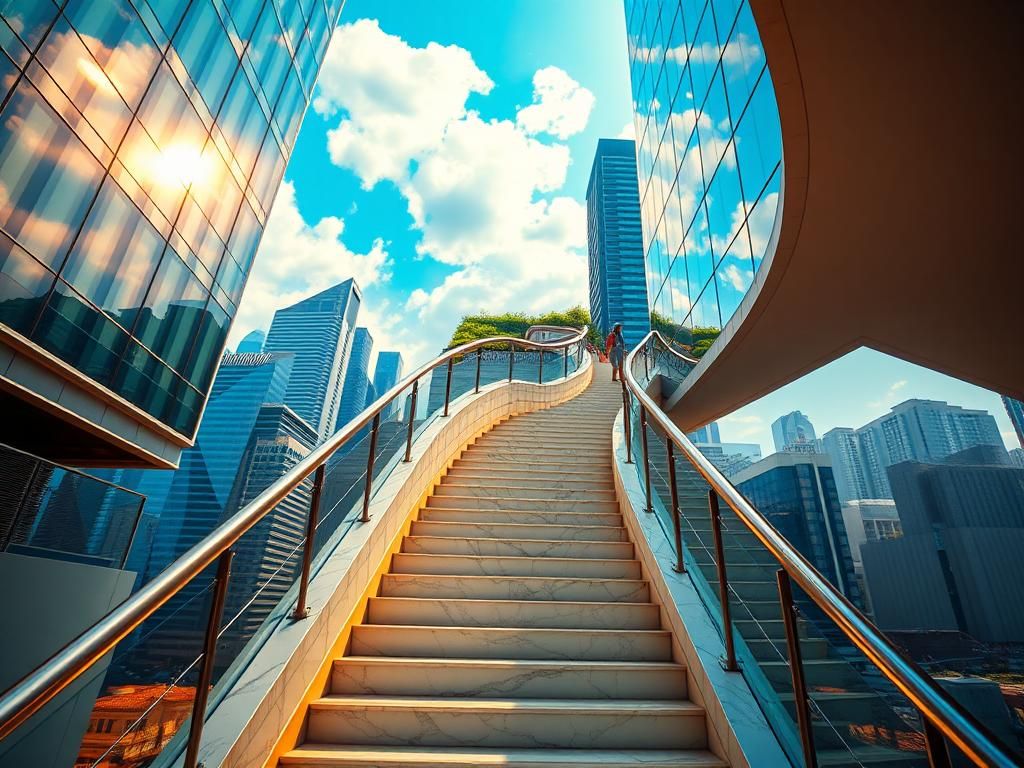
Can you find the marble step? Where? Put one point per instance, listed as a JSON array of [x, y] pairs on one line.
[[511, 643], [518, 516], [536, 491], [318, 755], [473, 565], [503, 474], [560, 614], [538, 679], [551, 723], [516, 531], [571, 441], [833, 673], [537, 449], [529, 462], [738, 571], [550, 480], [540, 432], [775, 650], [515, 588], [577, 503], [762, 610], [738, 556], [445, 545]]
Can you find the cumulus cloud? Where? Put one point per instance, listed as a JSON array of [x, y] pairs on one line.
[[297, 259], [891, 396], [481, 192], [561, 106]]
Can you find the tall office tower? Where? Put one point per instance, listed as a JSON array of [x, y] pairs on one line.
[[793, 431], [923, 430], [1015, 410], [319, 331], [386, 373], [797, 493], [139, 155], [618, 285], [707, 434], [252, 342], [353, 394], [201, 492], [853, 482], [957, 565], [267, 557], [1017, 457]]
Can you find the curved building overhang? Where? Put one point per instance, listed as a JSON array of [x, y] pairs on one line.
[[899, 227]]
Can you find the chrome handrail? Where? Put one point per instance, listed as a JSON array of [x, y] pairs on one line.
[[937, 707], [33, 691]]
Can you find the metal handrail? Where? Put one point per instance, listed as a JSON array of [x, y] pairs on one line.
[[33, 691], [942, 715]]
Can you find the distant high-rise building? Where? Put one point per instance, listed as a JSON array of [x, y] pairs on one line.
[[869, 520], [707, 434], [386, 373], [1015, 410], [797, 493], [957, 565], [353, 394], [319, 331], [252, 342], [794, 430], [730, 458], [1017, 457], [141, 148], [618, 284], [853, 479]]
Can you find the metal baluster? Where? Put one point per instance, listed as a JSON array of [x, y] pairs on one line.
[[647, 362], [680, 566], [479, 354], [796, 669], [511, 359], [625, 422], [647, 458], [729, 662], [220, 590], [540, 368], [412, 419], [301, 609], [448, 385], [936, 746], [369, 468], [565, 362]]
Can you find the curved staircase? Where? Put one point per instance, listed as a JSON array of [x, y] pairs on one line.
[[514, 627]]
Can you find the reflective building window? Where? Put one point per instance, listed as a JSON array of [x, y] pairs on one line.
[[130, 135], [709, 159]]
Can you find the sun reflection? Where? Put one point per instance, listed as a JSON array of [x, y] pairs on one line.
[[96, 76], [183, 164]]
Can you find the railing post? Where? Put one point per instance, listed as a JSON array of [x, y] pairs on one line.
[[565, 362], [625, 422], [448, 385], [647, 458], [935, 745], [647, 361], [729, 662], [680, 566], [301, 610], [369, 468], [412, 420], [540, 367], [220, 589], [476, 386], [511, 359], [796, 669]]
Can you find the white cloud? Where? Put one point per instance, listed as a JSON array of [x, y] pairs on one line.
[[738, 278], [561, 106], [891, 396], [479, 191], [296, 260], [628, 132]]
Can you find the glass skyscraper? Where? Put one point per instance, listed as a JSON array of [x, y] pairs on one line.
[[709, 158], [353, 394], [793, 430], [386, 373], [141, 146], [618, 286], [319, 331], [1015, 410]]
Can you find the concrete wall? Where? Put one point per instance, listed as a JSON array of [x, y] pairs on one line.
[[905, 582], [45, 604]]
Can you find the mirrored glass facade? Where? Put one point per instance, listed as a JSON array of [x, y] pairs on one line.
[[709, 158], [141, 146]]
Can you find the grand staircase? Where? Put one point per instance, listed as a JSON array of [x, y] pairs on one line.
[[514, 627]]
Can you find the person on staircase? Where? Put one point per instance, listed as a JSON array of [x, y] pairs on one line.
[[615, 349]]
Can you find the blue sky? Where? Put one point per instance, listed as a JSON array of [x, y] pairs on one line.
[[444, 165]]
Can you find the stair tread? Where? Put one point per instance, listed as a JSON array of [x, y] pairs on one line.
[[519, 558], [667, 666], [512, 541], [552, 526], [516, 630], [328, 754], [498, 601], [553, 706]]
